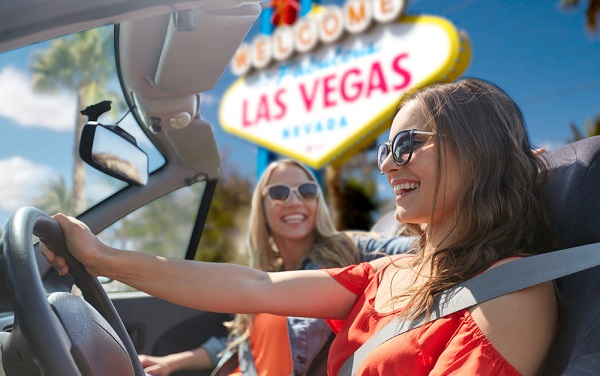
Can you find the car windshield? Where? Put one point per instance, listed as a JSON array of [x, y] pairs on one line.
[[43, 88]]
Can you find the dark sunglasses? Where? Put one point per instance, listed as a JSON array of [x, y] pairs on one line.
[[283, 193], [402, 147]]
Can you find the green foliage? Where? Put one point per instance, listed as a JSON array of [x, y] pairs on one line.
[[225, 232], [83, 63], [592, 128], [75, 61], [358, 203], [55, 198], [591, 11], [352, 192], [162, 226]]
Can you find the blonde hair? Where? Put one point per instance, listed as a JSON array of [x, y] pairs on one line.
[[500, 211], [330, 248]]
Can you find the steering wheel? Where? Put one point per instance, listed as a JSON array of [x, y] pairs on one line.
[[58, 334]]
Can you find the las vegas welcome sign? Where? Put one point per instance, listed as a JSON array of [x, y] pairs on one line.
[[324, 88]]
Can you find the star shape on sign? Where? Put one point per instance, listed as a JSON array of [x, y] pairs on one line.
[[285, 12]]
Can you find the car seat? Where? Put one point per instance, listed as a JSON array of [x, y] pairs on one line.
[[572, 194]]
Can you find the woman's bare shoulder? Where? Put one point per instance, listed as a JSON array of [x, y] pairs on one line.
[[398, 260], [520, 325]]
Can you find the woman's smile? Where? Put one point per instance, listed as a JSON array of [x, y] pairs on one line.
[[294, 219], [402, 189]]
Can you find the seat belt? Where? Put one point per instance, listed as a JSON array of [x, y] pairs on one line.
[[514, 276]]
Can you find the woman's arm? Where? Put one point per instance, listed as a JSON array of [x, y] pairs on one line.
[[206, 286]]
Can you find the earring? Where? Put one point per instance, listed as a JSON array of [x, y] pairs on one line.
[[273, 245]]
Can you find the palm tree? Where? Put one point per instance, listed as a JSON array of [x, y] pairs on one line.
[[592, 128], [56, 198], [591, 11], [82, 63]]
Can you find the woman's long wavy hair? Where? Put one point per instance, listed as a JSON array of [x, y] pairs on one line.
[[500, 211], [330, 248]]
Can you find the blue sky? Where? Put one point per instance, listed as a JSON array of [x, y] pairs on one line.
[[538, 53]]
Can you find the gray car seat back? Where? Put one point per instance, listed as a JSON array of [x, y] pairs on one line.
[[573, 198]]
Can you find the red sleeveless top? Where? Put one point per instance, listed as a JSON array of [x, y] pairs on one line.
[[452, 345]]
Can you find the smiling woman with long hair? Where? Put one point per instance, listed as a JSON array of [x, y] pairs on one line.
[[289, 231]]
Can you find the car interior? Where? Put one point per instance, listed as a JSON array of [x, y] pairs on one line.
[[46, 329]]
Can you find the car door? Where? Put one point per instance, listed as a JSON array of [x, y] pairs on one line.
[[159, 328], [155, 326]]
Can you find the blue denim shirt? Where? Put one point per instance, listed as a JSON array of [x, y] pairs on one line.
[[308, 336], [370, 248]]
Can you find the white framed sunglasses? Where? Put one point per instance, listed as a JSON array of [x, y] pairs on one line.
[[280, 192]]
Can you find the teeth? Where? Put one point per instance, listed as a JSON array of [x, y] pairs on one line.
[[293, 217], [405, 186]]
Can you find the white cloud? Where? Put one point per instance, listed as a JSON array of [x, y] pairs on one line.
[[18, 103], [550, 145], [20, 182]]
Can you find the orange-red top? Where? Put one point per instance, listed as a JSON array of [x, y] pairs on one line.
[[452, 345]]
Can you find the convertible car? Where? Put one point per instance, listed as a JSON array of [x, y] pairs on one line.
[[153, 167]]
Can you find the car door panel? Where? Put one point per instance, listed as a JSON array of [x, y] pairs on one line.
[[158, 327]]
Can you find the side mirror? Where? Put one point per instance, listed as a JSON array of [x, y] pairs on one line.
[[114, 152]]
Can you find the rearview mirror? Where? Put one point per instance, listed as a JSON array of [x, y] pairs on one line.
[[114, 152]]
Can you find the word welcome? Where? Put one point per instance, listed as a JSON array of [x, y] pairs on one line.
[[327, 26]]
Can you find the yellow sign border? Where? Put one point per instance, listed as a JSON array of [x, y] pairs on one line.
[[455, 64]]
